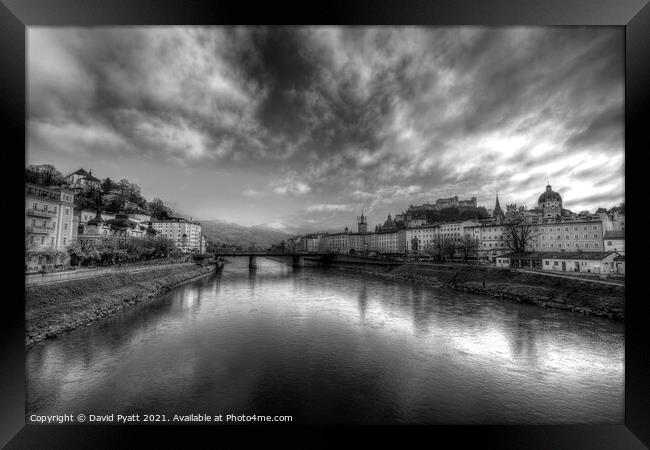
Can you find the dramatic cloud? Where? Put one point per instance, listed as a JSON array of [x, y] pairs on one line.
[[313, 123], [328, 207]]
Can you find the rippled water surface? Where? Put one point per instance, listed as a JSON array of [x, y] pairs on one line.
[[328, 346]]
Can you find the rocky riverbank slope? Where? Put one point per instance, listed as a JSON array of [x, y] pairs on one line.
[[56, 308], [550, 292]]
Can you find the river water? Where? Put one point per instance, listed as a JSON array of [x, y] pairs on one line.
[[326, 346]]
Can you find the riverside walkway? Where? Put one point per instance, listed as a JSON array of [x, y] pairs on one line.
[[80, 274], [570, 277]]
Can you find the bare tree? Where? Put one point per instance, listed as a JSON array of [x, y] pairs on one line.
[[45, 175], [436, 248], [518, 232], [449, 247], [469, 246]]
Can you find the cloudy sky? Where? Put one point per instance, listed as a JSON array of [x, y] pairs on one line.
[[300, 128]]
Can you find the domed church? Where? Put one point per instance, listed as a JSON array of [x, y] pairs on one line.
[[550, 203]]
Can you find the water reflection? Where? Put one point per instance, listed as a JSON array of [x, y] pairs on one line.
[[322, 344], [363, 301]]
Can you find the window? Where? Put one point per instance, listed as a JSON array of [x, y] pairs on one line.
[[34, 206], [595, 235], [52, 241], [575, 237], [64, 240], [65, 226], [555, 263], [595, 244], [609, 242], [67, 211], [31, 239], [42, 239]]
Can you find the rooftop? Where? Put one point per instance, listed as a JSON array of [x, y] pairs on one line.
[[424, 226], [80, 172], [175, 220]]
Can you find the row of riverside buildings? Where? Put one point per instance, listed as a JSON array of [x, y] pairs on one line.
[[52, 223], [558, 238]]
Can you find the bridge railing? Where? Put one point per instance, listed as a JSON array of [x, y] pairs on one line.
[[264, 253]]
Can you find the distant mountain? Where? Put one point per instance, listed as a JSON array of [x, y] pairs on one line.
[[232, 233]]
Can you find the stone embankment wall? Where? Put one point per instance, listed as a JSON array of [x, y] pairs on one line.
[[56, 308], [550, 292]]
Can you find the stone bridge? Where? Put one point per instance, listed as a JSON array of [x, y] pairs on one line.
[[298, 258]]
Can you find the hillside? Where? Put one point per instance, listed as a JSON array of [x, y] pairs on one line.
[[232, 233]]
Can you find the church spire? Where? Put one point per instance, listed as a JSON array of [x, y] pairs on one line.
[[362, 224], [498, 212]]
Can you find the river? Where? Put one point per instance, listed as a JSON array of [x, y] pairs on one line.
[[327, 346]]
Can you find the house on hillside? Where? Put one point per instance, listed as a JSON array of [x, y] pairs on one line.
[[82, 180]]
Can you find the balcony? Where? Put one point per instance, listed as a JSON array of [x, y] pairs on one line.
[[42, 193], [40, 212], [39, 229]]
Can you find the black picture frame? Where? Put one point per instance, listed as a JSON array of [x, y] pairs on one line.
[[634, 15]]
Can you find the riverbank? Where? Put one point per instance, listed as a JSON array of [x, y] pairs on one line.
[[56, 308], [549, 292]]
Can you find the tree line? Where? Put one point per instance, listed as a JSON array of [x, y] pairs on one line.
[[112, 196], [111, 250]]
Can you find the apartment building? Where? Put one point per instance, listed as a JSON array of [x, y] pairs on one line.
[[48, 223], [185, 234]]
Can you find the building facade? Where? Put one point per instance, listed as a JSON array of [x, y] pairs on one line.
[[311, 243], [385, 242], [204, 244], [614, 241], [141, 218], [420, 238], [359, 243], [570, 236], [185, 234], [335, 243], [489, 240], [48, 224], [618, 221], [83, 216], [592, 262]]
